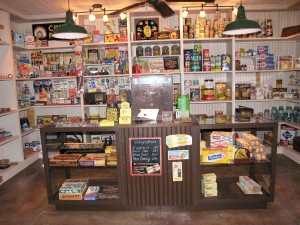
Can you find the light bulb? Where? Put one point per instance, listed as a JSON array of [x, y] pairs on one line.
[[234, 11], [92, 17], [105, 18], [185, 14], [74, 16], [123, 16], [202, 14]]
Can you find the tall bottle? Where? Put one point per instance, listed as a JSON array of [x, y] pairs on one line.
[[274, 113], [280, 113]]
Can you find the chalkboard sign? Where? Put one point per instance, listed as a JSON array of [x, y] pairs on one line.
[[145, 156]]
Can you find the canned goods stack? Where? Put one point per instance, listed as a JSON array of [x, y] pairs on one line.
[[193, 59]]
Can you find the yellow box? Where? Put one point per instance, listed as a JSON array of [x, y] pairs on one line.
[[210, 193], [177, 140], [209, 177], [222, 155], [125, 112], [209, 185], [125, 120], [110, 149]]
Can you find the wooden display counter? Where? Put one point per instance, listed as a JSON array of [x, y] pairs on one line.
[[145, 168]]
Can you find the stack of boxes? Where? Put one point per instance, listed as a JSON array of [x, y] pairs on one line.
[[111, 155], [209, 186], [265, 60]]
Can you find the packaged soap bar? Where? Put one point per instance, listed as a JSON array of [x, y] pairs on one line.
[[210, 193], [208, 185], [177, 140], [209, 177]]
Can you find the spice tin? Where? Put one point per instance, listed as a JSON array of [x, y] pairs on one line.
[[209, 94], [220, 117], [221, 91]]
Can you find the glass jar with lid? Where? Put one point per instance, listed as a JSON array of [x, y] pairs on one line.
[[112, 112]]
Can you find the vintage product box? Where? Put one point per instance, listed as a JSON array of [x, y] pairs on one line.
[[209, 177], [209, 185], [210, 193], [287, 133], [177, 140], [218, 155], [249, 183], [219, 138], [110, 149], [263, 49], [92, 159], [19, 39], [73, 186], [91, 193], [65, 160]]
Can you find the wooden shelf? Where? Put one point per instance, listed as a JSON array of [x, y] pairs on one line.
[[211, 102], [4, 43], [208, 72], [45, 78], [263, 71], [110, 75], [261, 100], [213, 40], [9, 139], [294, 100], [23, 48], [153, 42], [101, 44], [8, 113], [27, 132]]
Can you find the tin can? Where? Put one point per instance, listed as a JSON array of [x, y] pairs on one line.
[[220, 117], [221, 91], [209, 83], [209, 94]]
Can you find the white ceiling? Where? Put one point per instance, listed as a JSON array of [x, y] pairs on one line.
[[55, 9]]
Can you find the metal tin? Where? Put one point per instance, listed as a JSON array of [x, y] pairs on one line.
[[209, 94], [221, 91], [220, 117], [209, 83], [188, 21]]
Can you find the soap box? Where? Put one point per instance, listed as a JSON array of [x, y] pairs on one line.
[[91, 193], [210, 193], [209, 185], [19, 39], [209, 177]]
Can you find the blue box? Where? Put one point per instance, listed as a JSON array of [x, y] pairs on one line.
[[19, 39]]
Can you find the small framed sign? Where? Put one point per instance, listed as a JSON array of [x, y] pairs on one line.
[[145, 156]]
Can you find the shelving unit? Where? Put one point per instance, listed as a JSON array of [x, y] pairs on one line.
[[229, 193], [103, 175]]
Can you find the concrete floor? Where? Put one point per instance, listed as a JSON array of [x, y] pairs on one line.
[[23, 201]]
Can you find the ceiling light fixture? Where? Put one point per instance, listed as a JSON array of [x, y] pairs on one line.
[[185, 13], [105, 17], [69, 30], [217, 13], [123, 16], [241, 25], [202, 12], [92, 17]]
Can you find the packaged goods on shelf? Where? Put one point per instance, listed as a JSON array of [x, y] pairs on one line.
[[65, 160], [287, 133], [91, 193], [223, 155], [251, 139], [92, 159], [108, 192], [209, 185], [209, 177], [177, 140], [72, 189], [219, 138], [249, 183]]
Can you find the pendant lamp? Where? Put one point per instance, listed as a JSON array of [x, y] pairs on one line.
[[241, 25], [69, 30]]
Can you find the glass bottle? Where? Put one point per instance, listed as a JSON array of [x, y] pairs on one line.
[[274, 113], [280, 113], [288, 112], [295, 114], [267, 114]]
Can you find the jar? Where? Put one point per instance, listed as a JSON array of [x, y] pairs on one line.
[[280, 113], [267, 114], [112, 112], [183, 103], [274, 113]]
